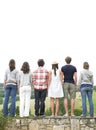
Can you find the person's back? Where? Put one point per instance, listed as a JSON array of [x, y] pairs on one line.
[[56, 78], [40, 77], [86, 77], [40, 83], [68, 71], [55, 90], [85, 83], [11, 80], [55, 87], [25, 83], [70, 80]]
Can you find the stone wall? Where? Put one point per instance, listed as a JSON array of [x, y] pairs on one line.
[[48, 123]]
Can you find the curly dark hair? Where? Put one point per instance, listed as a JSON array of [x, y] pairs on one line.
[[25, 67]]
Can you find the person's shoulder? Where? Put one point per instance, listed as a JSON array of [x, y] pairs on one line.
[[7, 70], [90, 72], [16, 70], [81, 72], [59, 70], [34, 71], [30, 73], [73, 66], [50, 71], [45, 69], [64, 66], [20, 72]]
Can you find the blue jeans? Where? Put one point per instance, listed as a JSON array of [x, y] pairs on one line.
[[10, 90], [86, 90]]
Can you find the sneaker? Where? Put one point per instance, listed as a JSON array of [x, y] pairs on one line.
[[91, 115], [83, 115], [35, 115], [42, 115]]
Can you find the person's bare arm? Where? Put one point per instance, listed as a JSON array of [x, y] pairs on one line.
[[49, 79], [75, 78]]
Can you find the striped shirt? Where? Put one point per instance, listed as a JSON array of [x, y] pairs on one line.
[[40, 78]]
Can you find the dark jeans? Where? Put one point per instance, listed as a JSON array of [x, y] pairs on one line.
[[40, 96], [86, 90], [10, 90]]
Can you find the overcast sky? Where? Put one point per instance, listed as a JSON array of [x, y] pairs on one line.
[[49, 29]]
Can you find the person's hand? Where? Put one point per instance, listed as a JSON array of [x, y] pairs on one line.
[[4, 86], [18, 90]]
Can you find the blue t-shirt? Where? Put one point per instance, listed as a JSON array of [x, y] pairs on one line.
[[68, 71]]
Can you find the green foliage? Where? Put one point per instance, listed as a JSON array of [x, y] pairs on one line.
[[95, 88], [1, 100], [3, 121], [1, 84], [32, 95], [1, 92], [48, 112], [17, 98], [17, 111], [77, 112]]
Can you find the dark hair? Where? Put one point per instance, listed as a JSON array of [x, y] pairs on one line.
[[12, 64], [54, 67], [85, 65], [25, 67], [68, 59], [40, 62]]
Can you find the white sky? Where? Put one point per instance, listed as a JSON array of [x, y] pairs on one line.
[[49, 29]]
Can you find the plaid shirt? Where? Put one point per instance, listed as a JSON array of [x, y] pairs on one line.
[[40, 78]]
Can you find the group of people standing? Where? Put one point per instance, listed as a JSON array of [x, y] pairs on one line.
[[57, 83]]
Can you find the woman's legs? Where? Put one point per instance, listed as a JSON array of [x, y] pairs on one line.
[[13, 97], [22, 98], [57, 107], [27, 100], [6, 100], [89, 94], [83, 94], [52, 106]]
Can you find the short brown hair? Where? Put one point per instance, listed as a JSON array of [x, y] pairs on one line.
[[85, 65], [68, 59]]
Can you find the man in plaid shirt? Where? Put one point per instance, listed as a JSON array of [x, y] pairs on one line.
[[40, 83]]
